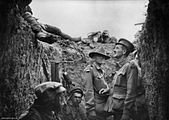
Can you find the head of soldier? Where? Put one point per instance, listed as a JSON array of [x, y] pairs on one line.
[[105, 33], [76, 95], [123, 48], [99, 55], [50, 95]]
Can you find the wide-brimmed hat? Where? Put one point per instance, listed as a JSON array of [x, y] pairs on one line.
[[127, 44], [100, 52], [41, 88]]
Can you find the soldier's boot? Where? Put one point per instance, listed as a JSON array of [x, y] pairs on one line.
[[76, 39], [46, 37], [66, 36]]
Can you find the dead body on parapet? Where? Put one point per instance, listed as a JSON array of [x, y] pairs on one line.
[[45, 32]]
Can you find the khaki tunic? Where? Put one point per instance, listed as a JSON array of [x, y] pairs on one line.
[[124, 90], [72, 112], [94, 82]]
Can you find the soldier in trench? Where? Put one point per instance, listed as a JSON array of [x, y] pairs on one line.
[[94, 77], [75, 107], [50, 99], [45, 32], [125, 88]]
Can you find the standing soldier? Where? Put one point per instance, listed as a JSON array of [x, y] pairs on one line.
[[48, 102], [75, 109], [95, 81], [126, 86]]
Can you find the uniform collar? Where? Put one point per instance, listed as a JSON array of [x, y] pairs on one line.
[[122, 61], [97, 66], [71, 104]]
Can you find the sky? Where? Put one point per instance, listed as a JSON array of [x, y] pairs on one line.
[[80, 17]]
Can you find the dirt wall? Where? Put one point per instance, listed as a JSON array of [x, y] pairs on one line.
[[155, 58], [24, 60]]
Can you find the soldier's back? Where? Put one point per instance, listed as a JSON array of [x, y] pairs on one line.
[[32, 114]]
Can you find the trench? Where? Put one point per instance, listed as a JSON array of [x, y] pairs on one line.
[[26, 62]]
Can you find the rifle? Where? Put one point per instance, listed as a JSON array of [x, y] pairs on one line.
[[55, 67], [55, 71], [67, 82]]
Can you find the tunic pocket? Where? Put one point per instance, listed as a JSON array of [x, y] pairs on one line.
[[117, 103], [114, 103], [120, 78]]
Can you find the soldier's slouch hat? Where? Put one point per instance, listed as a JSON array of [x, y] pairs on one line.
[[100, 52]]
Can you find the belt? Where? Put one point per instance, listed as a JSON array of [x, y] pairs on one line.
[[119, 90]]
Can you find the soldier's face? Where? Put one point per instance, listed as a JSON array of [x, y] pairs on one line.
[[119, 51], [76, 98]]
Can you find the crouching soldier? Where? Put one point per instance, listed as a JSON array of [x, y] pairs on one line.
[[48, 103], [75, 109]]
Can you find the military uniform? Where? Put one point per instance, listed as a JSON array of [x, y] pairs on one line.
[[47, 104], [141, 107], [38, 112], [94, 76], [124, 90], [72, 112], [75, 107]]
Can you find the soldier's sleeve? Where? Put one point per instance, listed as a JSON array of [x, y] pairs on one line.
[[51, 29], [132, 77], [89, 93], [36, 26], [30, 115]]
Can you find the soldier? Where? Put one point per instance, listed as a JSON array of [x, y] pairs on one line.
[[95, 81], [49, 101], [75, 109], [105, 36], [126, 86], [45, 32]]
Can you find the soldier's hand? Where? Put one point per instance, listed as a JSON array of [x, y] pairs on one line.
[[36, 27], [103, 90]]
